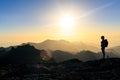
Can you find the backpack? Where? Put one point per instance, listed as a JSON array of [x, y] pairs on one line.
[[105, 43]]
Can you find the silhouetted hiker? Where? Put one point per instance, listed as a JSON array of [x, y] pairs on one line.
[[104, 43]]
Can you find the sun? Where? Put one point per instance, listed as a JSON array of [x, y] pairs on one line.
[[67, 22]]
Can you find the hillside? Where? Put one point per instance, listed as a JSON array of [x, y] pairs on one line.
[[107, 69], [25, 61], [84, 55], [24, 54]]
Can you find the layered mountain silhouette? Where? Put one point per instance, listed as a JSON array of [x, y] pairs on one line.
[[25, 61], [64, 45], [60, 56], [84, 55], [61, 50]]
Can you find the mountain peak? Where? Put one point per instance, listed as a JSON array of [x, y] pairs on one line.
[[63, 45], [50, 40], [22, 54]]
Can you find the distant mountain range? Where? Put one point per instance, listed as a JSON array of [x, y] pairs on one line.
[[84, 55], [25, 62], [64, 45], [61, 50], [115, 49], [71, 47]]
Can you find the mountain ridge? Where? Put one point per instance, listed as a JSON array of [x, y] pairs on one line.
[[64, 46]]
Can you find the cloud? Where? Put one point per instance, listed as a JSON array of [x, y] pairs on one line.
[[96, 9]]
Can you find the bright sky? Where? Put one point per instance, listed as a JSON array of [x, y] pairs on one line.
[[74, 20]]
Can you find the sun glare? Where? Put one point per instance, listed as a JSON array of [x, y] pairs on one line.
[[67, 22]]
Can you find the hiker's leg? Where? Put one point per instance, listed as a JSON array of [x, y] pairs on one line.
[[103, 51]]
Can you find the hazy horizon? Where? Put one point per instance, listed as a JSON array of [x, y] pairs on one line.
[[97, 45], [23, 21]]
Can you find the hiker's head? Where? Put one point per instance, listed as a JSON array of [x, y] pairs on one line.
[[102, 37]]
